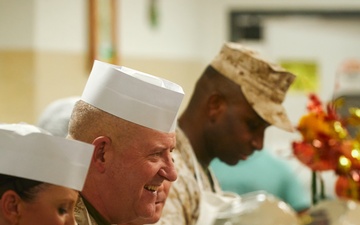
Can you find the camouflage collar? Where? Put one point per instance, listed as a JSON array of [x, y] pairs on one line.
[[100, 220]]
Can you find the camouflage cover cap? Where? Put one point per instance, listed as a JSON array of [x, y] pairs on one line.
[[264, 84]]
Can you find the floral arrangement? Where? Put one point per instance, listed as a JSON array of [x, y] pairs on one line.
[[327, 145]]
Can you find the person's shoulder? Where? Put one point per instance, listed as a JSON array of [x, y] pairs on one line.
[[186, 176], [80, 212], [184, 196], [182, 202]]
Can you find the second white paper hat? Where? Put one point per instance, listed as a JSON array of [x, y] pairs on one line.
[[31, 153], [134, 96]]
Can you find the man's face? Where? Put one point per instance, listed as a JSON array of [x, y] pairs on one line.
[[236, 133], [136, 171]]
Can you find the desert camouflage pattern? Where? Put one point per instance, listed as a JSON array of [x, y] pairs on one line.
[[82, 216], [182, 204], [263, 83]]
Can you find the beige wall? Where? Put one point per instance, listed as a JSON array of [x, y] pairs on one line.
[[30, 81], [183, 72], [58, 75], [17, 86]]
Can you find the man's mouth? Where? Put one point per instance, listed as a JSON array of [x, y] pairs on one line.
[[247, 154], [151, 188]]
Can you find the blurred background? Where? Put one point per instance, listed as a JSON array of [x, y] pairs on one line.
[[47, 47]]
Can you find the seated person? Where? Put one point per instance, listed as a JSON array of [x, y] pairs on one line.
[[263, 171], [40, 175], [56, 116]]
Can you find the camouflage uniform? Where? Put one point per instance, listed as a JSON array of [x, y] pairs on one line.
[[82, 216], [182, 204]]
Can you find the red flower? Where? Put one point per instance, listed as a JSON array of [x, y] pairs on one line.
[[317, 159], [322, 134], [346, 187], [327, 145]]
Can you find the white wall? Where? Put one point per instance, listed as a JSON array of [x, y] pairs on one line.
[[60, 25], [186, 28], [16, 24], [175, 36], [194, 28], [43, 24]]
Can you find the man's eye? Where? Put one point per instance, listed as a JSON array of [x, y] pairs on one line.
[[156, 154], [62, 211], [254, 125], [251, 127]]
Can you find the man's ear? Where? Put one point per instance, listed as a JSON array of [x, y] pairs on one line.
[[215, 105], [10, 202], [102, 145]]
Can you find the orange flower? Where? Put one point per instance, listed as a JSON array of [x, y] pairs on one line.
[[322, 134], [316, 126], [327, 145]]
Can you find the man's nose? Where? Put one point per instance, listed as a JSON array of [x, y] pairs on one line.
[[71, 220], [258, 140], [168, 171]]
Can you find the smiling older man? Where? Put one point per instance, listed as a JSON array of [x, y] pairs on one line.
[[130, 118]]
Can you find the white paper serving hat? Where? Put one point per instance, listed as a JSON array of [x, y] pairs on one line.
[[134, 96], [31, 153]]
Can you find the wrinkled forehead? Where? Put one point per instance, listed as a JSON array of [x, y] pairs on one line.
[[129, 133]]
